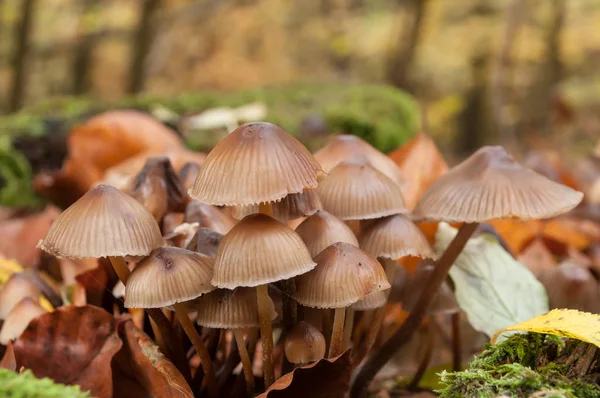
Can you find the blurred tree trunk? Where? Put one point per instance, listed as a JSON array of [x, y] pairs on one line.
[[141, 45], [22, 35], [553, 53], [406, 45], [86, 40]]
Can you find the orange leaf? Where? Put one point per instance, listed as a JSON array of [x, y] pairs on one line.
[[422, 163], [537, 257], [9, 361], [72, 345], [517, 234], [327, 378], [564, 231]]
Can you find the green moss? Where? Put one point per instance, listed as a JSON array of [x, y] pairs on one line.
[[26, 385], [15, 179], [509, 368]]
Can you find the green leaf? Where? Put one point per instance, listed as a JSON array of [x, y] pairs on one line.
[[493, 288]]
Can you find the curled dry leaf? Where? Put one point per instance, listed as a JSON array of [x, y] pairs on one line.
[[72, 345], [327, 378], [8, 360], [422, 163], [140, 369]]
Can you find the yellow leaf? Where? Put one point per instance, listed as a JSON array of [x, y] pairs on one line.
[[45, 304], [7, 268], [572, 324]]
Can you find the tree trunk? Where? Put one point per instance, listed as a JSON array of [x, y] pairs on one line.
[[86, 39], [22, 35], [141, 46]]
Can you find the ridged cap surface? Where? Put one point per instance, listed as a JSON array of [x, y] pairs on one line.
[[167, 276], [344, 274], [492, 185], [304, 343], [260, 250], [394, 237], [322, 230], [371, 301], [103, 222], [289, 208], [255, 163], [18, 319], [354, 190]]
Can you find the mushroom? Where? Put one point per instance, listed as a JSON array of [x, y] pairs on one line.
[[208, 216], [235, 310], [304, 344], [488, 185], [289, 208], [16, 288], [258, 163], [18, 318], [188, 174], [322, 230], [344, 274], [206, 242], [570, 285], [171, 276], [341, 148]]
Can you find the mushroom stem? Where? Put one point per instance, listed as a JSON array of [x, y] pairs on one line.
[[348, 326], [205, 360], [337, 334], [246, 362], [120, 268], [456, 346], [424, 364], [354, 226], [404, 334], [266, 333], [327, 325]]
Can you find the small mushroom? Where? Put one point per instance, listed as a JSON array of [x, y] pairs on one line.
[[289, 208], [570, 285], [15, 289], [18, 318], [304, 344], [322, 230]]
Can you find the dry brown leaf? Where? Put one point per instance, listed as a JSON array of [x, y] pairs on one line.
[[140, 369], [548, 163], [422, 163], [327, 378], [72, 345], [8, 360], [537, 257], [98, 282]]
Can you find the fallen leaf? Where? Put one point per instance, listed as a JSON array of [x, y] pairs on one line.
[[7, 268], [566, 233], [492, 287], [98, 284], [72, 345], [327, 378], [517, 234], [571, 324], [422, 163], [570, 285], [537, 257], [549, 164], [149, 372], [8, 360]]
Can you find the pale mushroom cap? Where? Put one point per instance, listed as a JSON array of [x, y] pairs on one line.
[[492, 185], [354, 190], [260, 250], [344, 147], [167, 276], [371, 301], [208, 216], [16, 288], [322, 230], [304, 343], [289, 208], [255, 163], [103, 222], [395, 237], [344, 274], [230, 309], [18, 318]]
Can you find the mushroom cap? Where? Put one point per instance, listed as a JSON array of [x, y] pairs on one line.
[[188, 174], [490, 184], [322, 230], [394, 237], [230, 309], [344, 274], [571, 285], [371, 301], [289, 208], [208, 216], [260, 250], [255, 163], [167, 276], [16, 288], [355, 190], [344, 147], [205, 241], [103, 222], [304, 343], [444, 301], [18, 318]]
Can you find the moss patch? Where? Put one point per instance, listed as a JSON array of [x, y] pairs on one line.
[[26, 385], [526, 364]]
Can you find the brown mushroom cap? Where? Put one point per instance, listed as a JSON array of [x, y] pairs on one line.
[[103, 222], [16, 288], [492, 185], [255, 163], [167, 276], [344, 274], [444, 301], [208, 216], [394, 237], [371, 301], [570, 285], [289, 208], [304, 343], [340, 148], [322, 230], [18, 319], [230, 309], [355, 190], [260, 250], [188, 174], [205, 241]]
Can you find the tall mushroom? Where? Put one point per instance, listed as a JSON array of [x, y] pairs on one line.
[[257, 163], [488, 185]]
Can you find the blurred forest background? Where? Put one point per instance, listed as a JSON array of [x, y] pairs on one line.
[[523, 72]]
